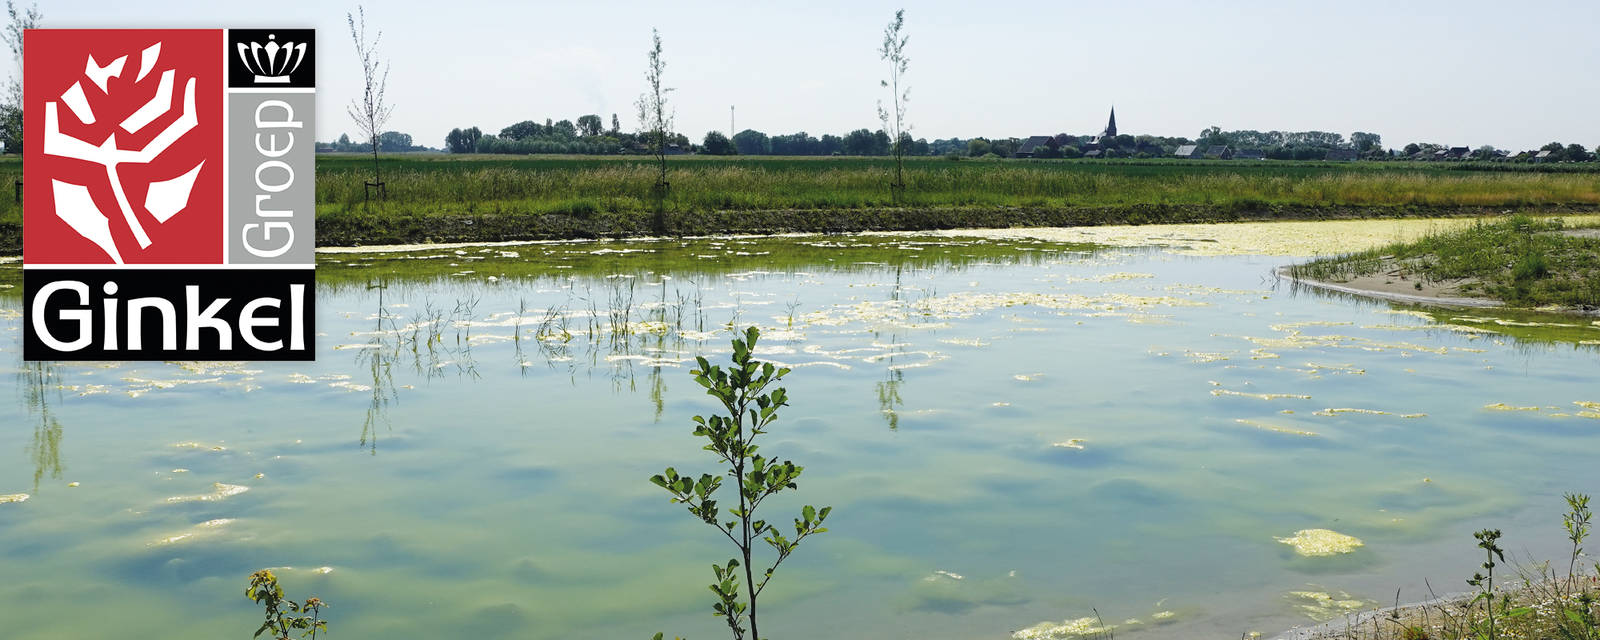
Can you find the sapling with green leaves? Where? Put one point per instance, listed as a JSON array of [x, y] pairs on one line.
[[1577, 523], [751, 409], [264, 590]]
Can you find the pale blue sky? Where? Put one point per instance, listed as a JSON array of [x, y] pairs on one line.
[[1514, 75]]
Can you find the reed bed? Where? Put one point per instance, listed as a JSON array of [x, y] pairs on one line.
[[531, 187]]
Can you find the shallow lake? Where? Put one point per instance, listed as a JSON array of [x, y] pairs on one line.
[[1011, 431]]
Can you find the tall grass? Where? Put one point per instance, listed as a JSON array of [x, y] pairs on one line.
[[577, 186]]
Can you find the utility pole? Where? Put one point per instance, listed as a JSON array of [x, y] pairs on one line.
[[731, 127]]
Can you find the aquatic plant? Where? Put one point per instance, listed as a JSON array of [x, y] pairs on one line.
[[743, 391], [264, 590]]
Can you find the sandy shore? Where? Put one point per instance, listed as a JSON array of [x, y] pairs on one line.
[[1391, 287]]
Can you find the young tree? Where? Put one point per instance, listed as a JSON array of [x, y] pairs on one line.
[[655, 122], [894, 47], [370, 112], [11, 109], [751, 409]]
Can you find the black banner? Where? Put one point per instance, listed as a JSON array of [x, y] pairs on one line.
[[169, 314], [272, 58]]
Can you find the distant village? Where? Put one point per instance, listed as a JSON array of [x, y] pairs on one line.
[[590, 136]]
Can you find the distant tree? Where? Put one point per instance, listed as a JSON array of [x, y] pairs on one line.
[[1485, 152], [565, 129], [1366, 141], [459, 140], [1045, 151], [921, 147], [616, 126], [1069, 151], [370, 112], [754, 143], [977, 147], [344, 139], [524, 129], [894, 124], [1411, 149], [880, 143], [1008, 147], [717, 144], [1575, 153], [394, 142], [832, 145], [590, 126], [859, 142], [11, 108]]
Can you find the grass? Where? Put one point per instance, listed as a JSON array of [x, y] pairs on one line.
[[585, 185], [490, 197], [1520, 260]]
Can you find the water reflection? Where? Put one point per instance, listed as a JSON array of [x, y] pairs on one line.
[[38, 381]]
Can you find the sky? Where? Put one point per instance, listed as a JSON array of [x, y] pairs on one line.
[[1459, 73]]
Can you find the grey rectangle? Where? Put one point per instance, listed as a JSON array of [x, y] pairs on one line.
[[271, 178]]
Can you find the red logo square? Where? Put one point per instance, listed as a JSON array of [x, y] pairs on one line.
[[123, 140]]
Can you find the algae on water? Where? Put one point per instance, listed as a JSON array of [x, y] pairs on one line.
[[1321, 542]]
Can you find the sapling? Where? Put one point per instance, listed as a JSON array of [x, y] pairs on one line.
[[264, 590], [751, 409], [1577, 523]]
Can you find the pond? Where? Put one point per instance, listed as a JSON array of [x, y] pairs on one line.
[[1013, 428]]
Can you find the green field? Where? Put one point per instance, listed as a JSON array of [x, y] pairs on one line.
[[445, 197], [577, 185]]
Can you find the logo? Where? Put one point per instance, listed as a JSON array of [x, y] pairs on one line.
[[271, 69], [168, 194]]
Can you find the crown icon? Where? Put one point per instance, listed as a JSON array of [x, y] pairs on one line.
[[272, 69]]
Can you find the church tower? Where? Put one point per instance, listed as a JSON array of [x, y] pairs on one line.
[[1111, 127]]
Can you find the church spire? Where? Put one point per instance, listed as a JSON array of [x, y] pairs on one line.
[[1111, 127]]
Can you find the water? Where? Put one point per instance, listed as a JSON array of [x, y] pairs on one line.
[[1010, 432]]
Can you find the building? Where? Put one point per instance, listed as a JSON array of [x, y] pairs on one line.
[[1219, 151], [1110, 131], [1249, 154], [1188, 152], [1341, 155], [1032, 145]]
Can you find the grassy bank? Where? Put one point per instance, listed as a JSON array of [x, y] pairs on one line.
[[467, 198], [451, 186], [1520, 260]]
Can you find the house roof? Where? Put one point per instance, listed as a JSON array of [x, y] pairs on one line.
[[1186, 150], [1341, 154], [1033, 142], [1249, 153], [1216, 149], [1543, 154]]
